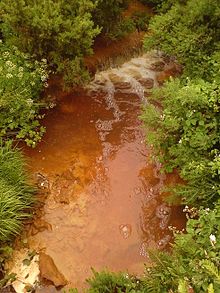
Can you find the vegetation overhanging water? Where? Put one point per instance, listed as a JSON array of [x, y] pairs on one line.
[[182, 121]]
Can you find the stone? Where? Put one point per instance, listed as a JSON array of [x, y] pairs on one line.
[[125, 230], [172, 69], [147, 83], [25, 265], [50, 272], [39, 225], [46, 289], [123, 85], [42, 181], [157, 66]]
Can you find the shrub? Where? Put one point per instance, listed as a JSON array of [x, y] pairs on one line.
[[122, 28], [185, 135], [21, 81], [107, 11], [190, 31], [182, 120], [16, 194], [59, 31], [108, 282], [141, 20], [194, 262]]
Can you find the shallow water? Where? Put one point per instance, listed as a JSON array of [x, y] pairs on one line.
[[104, 206]]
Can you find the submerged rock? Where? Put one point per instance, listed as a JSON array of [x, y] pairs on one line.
[[125, 230], [158, 66], [39, 225], [42, 181], [147, 83], [50, 272]]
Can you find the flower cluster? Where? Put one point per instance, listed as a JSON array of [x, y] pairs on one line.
[[22, 81], [17, 70]]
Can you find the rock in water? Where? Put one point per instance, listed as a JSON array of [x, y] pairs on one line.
[[25, 267], [49, 271], [125, 230]]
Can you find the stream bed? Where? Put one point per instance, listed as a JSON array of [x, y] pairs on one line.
[[104, 206]]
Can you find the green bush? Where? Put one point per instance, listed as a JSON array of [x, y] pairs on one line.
[[122, 28], [16, 194], [141, 20], [21, 81], [108, 282], [182, 121], [185, 135], [190, 31], [194, 262], [108, 13], [59, 31], [160, 5]]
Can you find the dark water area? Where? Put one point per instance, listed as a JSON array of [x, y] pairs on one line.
[[104, 207]]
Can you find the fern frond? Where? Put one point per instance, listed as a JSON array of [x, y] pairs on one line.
[[211, 269]]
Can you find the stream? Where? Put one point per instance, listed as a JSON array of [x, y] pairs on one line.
[[104, 206]]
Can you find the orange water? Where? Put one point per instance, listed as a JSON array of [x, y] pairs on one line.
[[104, 206]]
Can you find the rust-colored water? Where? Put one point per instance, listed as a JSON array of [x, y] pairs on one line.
[[104, 206]]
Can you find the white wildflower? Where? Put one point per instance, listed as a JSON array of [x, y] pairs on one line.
[[9, 63], [186, 209], [126, 276], [29, 102], [212, 239], [9, 75], [20, 69], [20, 74], [43, 77], [6, 54]]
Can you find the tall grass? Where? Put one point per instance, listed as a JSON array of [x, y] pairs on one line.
[[16, 194]]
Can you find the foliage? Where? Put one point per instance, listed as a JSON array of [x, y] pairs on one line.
[[160, 5], [108, 282], [151, 2], [122, 28], [138, 21], [195, 258], [59, 31], [185, 135], [141, 20], [182, 121], [21, 81], [107, 11], [16, 194], [190, 31]]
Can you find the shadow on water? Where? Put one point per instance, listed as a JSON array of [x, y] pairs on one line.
[[104, 206]]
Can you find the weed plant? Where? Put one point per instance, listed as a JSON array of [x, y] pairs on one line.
[[16, 193]]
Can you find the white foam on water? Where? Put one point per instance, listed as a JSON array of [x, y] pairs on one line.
[[132, 77]]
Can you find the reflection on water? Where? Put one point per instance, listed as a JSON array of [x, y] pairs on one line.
[[104, 207]]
